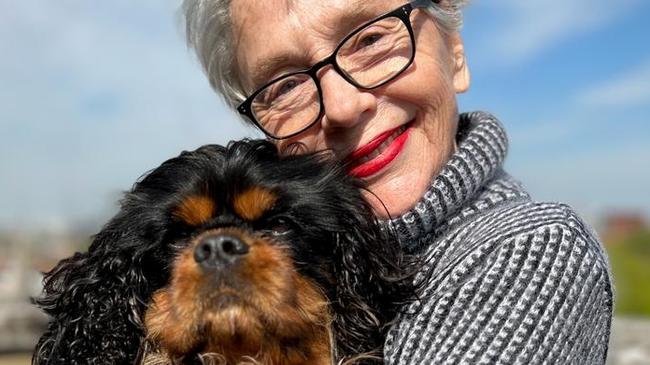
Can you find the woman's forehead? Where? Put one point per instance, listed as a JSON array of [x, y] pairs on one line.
[[272, 32]]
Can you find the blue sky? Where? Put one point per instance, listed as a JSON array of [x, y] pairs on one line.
[[95, 93]]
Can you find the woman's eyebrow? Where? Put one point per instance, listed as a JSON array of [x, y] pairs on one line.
[[355, 16], [263, 71]]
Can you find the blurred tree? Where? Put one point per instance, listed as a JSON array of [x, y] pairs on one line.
[[630, 261]]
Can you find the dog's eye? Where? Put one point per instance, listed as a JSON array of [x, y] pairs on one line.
[[278, 226]]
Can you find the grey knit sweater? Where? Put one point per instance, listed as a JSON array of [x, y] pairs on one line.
[[512, 281]]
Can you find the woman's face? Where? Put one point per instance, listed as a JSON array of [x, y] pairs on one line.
[[398, 136]]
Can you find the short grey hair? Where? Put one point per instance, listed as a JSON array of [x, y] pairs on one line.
[[208, 30]]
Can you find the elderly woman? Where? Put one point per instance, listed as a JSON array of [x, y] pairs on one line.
[[375, 82]]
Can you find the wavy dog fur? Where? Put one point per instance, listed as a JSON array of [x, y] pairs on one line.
[[97, 299]]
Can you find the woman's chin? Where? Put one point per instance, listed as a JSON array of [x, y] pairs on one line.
[[396, 190], [391, 202]]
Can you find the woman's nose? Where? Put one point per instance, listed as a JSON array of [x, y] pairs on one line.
[[345, 105]]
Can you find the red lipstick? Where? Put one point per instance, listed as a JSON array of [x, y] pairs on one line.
[[379, 152]]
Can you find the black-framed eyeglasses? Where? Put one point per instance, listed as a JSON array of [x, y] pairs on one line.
[[369, 57]]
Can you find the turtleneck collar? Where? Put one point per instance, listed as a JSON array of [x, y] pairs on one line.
[[470, 182]]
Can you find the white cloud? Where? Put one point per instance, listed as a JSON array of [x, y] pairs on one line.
[[526, 28], [630, 88], [607, 102]]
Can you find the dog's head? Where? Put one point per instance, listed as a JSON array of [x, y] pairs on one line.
[[271, 250], [233, 240]]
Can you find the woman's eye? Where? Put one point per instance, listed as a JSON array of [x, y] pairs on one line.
[[369, 40], [283, 89], [287, 86]]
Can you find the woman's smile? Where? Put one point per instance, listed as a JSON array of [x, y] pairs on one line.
[[379, 152]]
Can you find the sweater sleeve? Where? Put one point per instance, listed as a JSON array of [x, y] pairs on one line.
[[542, 295]]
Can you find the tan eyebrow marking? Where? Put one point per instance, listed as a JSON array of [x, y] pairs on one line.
[[195, 209], [254, 202]]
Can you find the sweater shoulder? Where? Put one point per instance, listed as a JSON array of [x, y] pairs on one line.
[[528, 216], [543, 230], [520, 284], [555, 229], [524, 220]]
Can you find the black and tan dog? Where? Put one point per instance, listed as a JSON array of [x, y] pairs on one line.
[[232, 254]]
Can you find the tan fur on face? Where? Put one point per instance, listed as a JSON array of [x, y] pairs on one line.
[[195, 210], [281, 318], [173, 311], [254, 202]]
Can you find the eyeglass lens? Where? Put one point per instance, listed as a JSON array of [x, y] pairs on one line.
[[369, 57]]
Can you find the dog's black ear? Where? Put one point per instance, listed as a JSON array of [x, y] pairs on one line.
[[96, 299], [372, 281]]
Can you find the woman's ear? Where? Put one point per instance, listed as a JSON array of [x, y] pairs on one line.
[[461, 77]]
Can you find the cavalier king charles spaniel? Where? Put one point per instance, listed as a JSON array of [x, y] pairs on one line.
[[230, 255]]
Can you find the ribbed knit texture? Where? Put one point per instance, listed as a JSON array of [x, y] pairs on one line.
[[509, 280]]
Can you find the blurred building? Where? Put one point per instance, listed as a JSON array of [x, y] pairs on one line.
[[617, 226], [23, 258]]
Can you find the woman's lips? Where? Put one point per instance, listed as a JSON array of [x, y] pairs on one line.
[[378, 153]]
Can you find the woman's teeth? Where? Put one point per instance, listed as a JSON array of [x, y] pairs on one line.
[[378, 151]]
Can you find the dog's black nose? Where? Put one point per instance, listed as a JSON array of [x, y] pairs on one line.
[[218, 250]]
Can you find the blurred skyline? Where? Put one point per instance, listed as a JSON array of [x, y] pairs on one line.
[[93, 94]]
